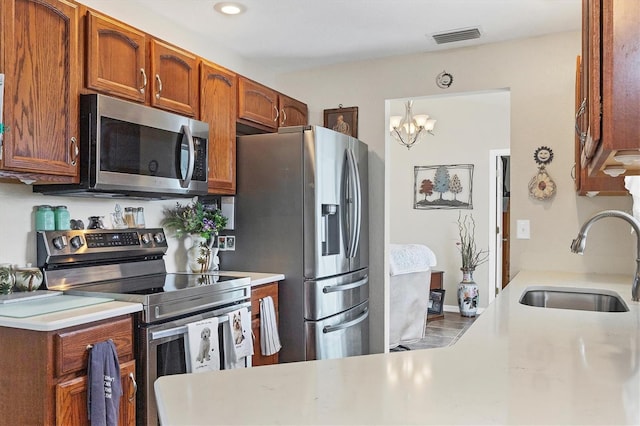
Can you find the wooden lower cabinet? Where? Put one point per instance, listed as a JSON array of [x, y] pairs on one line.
[[71, 398], [43, 374], [257, 293]]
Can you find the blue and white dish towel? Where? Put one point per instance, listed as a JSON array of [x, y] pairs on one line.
[[237, 337], [104, 390]]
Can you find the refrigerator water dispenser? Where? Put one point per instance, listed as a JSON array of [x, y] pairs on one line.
[[330, 229]]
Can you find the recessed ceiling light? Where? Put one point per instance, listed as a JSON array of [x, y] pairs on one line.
[[229, 8]]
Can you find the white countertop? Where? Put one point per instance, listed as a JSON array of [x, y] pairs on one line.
[[68, 318], [516, 365], [257, 278], [77, 316]]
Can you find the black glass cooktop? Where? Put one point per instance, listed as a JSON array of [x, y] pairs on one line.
[[160, 283]]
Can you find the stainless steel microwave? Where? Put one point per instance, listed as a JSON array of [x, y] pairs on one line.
[[128, 149]]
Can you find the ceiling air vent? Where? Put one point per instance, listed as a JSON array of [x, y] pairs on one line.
[[457, 35]]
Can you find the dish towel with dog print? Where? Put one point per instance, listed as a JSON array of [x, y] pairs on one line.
[[237, 337], [104, 390], [269, 338], [202, 344]]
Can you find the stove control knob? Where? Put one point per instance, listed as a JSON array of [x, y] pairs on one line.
[[159, 237], [146, 238], [60, 242], [77, 242]]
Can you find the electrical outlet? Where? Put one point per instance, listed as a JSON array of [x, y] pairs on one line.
[[523, 231]]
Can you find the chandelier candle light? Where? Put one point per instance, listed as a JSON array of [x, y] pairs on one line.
[[410, 129]]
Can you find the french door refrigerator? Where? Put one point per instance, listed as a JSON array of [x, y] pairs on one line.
[[302, 210]]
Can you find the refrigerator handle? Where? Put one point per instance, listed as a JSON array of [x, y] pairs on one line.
[[354, 226], [332, 328], [345, 287]]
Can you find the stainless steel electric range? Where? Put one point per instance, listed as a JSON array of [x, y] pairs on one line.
[[128, 265]]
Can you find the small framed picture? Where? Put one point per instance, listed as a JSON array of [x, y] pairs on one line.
[[222, 242], [436, 301], [343, 120], [231, 242]]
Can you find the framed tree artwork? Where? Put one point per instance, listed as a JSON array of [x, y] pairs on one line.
[[443, 187], [343, 120]]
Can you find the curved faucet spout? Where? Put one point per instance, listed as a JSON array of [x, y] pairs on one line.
[[578, 245]]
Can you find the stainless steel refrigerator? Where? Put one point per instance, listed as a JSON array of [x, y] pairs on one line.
[[302, 210]]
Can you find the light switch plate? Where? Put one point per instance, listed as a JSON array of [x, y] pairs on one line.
[[523, 231]]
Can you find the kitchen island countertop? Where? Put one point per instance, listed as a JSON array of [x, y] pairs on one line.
[[515, 365]]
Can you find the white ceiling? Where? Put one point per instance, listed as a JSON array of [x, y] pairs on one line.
[[297, 34]]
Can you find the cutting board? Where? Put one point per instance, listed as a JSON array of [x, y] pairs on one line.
[[63, 302], [24, 296]]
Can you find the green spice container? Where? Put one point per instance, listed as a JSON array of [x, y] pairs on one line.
[[63, 219], [45, 219]]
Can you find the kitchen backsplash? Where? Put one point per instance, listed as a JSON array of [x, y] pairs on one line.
[[17, 221]]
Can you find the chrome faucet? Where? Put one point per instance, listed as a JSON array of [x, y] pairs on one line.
[[578, 245]]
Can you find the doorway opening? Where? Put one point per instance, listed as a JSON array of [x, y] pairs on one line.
[[499, 219]]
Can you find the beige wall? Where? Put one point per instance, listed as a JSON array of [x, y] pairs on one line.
[[539, 73], [468, 127]]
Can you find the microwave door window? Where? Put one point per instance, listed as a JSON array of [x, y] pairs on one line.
[[134, 149]]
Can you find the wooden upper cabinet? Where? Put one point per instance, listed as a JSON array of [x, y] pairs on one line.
[[257, 105], [612, 42], [585, 184], [173, 79], [292, 111], [116, 55], [39, 57], [218, 88]]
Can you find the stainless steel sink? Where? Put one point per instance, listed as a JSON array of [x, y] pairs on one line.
[[583, 299]]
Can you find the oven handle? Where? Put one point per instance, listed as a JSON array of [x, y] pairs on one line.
[[176, 331]]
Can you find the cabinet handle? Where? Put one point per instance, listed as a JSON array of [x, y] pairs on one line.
[[277, 114], [582, 136], [159, 86], [135, 387], [74, 151], [284, 117], [144, 80]]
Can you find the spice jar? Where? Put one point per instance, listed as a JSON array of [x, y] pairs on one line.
[[62, 218], [130, 217], [140, 217], [45, 219]]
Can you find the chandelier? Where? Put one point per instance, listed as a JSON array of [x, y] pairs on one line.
[[410, 129]]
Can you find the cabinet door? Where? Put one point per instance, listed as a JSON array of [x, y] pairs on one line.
[[258, 293], [591, 42], [257, 104], [292, 112], [174, 79], [40, 61], [71, 399], [115, 58], [218, 107], [585, 184]]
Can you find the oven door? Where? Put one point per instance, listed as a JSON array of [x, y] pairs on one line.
[[161, 352]]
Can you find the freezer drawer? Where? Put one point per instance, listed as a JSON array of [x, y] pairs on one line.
[[339, 336], [330, 296]]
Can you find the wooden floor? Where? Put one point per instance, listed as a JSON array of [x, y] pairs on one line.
[[441, 332]]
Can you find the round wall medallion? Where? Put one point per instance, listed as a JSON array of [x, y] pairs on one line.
[[444, 80], [543, 155]]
